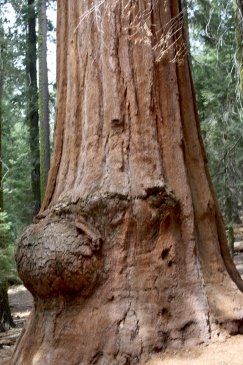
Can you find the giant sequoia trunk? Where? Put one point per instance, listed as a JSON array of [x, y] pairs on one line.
[[128, 255]]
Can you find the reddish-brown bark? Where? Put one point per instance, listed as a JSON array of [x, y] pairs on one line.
[[128, 255]]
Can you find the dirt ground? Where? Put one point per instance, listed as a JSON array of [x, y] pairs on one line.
[[226, 352], [20, 303], [229, 352]]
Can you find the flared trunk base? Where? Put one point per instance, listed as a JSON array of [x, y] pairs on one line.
[[112, 284]]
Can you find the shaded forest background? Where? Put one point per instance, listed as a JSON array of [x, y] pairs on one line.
[[27, 108]]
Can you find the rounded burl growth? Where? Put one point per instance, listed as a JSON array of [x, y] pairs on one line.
[[56, 257]]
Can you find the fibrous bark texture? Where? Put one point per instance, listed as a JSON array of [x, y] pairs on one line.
[[128, 255]]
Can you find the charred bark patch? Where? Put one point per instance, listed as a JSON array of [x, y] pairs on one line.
[[167, 222], [189, 330], [160, 197], [117, 125], [165, 253], [170, 263], [233, 327], [165, 312], [96, 358], [163, 338]]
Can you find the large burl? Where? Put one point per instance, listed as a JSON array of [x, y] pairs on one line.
[[60, 255]]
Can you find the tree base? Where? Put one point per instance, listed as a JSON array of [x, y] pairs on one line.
[[136, 290], [6, 320]]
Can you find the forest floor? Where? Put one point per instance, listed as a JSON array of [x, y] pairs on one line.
[[227, 352], [20, 303]]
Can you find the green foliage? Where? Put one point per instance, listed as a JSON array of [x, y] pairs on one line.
[[8, 271], [17, 183], [216, 77], [18, 201], [14, 134], [5, 231]]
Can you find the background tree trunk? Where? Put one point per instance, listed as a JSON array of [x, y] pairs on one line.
[[43, 97], [32, 103], [1, 109], [6, 320], [128, 255], [239, 38]]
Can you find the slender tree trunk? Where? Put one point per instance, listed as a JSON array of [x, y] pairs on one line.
[[228, 207], [239, 38], [229, 219], [6, 320], [1, 109], [128, 255], [32, 102], [43, 97]]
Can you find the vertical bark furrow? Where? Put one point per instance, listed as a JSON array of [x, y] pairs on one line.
[[73, 97], [70, 97], [44, 126]]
